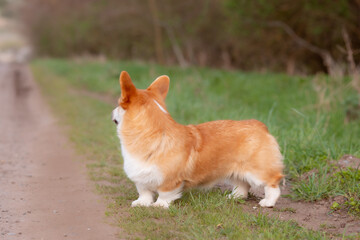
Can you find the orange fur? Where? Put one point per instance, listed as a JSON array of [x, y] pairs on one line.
[[195, 155]]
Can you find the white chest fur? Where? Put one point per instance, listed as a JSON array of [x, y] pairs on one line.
[[136, 169], [140, 172]]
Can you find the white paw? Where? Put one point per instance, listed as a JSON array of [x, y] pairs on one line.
[[266, 203], [161, 203], [141, 202]]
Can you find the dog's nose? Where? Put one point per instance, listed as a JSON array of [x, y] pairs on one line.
[[113, 118]]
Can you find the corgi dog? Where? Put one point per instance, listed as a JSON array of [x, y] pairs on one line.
[[165, 157]]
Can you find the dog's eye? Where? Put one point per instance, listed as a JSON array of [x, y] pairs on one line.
[[115, 121]]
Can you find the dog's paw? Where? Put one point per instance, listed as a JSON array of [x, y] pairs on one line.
[[141, 203], [161, 203], [266, 203]]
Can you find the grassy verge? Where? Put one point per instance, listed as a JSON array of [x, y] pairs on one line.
[[309, 131]]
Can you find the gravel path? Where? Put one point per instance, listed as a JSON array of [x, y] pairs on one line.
[[44, 190]]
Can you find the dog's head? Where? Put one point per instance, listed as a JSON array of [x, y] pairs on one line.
[[136, 100]]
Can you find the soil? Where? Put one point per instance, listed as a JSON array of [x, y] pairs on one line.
[[312, 215], [45, 192]]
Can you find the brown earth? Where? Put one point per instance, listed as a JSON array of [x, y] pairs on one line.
[[312, 215], [44, 189]]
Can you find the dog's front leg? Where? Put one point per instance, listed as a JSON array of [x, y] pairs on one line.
[[167, 194], [146, 196]]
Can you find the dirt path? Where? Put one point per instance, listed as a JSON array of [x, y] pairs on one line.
[[44, 190]]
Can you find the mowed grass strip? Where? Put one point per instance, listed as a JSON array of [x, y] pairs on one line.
[[309, 135]]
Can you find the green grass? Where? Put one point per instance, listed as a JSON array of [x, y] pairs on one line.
[[309, 133]]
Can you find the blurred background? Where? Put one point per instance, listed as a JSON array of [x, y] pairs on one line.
[[296, 37], [294, 65]]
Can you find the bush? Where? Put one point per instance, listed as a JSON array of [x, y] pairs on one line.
[[231, 34]]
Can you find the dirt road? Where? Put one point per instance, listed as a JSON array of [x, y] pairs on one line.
[[44, 190]]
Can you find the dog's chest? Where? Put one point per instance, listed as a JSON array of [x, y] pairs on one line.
[[141, 172]]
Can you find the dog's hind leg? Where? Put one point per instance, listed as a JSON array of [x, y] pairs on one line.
[[272, 190], [167, 196], [271, 196], [240, 190]]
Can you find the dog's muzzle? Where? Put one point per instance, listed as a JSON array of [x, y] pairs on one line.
[[114, 118]]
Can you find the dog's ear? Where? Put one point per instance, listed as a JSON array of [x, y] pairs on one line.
[[128, 89], [160, 85]]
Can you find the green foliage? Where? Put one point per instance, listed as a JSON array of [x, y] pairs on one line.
[[335, 206], [319, 23], [353, 205], [316, 186], [330, 181], [350, 181], [230, 34]]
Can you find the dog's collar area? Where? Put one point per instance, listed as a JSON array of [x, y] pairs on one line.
[[161, 108]]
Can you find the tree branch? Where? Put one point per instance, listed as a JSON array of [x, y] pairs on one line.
[[353, 71], [323, 53], [175, 46]]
